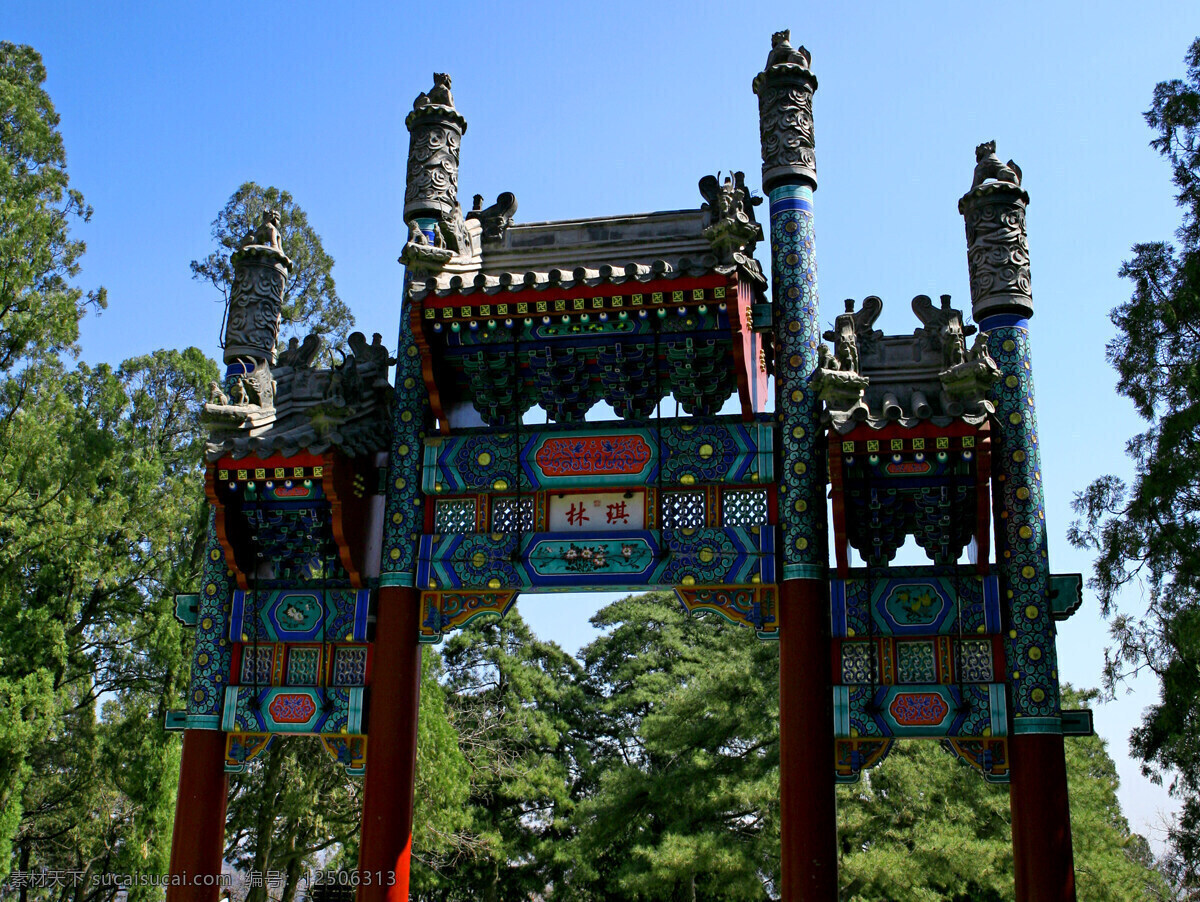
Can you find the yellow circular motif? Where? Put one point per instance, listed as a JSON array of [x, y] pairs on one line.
[[206, 623], [406, 415], [689, 580], [210, 589], [401, 482], [493, 583], [706, 451], [1019, 456], [202, 659], [1035, 654], [1038, 695], [797, 395], [1031, 612], [402, 450], [1014, 418], [801, 505], [412, 351], [706, 555], [798, 432], [397, 518], [215, 554], [687, 479], [791, 259], [794, 360], [1025, 532], [1027, 572], [793, 326], [799, 468], [394, 554], [1009, 345], [484, 459], [802, 543], [500, 485], [478, 559], [1012, 381], [199, 696], [1022, 493], [410, 382]]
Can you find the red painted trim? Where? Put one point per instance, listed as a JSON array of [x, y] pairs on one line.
[[837, 491], [808, 816], [1041, 818], [475, 297], [349, 511], [426, 351], [198, 837], [393, 704], [924, 429], [303, 459]]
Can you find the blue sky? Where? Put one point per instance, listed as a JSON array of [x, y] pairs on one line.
[[592, 109]]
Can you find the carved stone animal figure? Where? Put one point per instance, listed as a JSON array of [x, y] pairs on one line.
[[988, 166]]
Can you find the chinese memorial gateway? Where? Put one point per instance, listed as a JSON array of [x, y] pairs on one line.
[[353, 518]]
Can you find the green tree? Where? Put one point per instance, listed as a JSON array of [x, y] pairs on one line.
[[100, 472], [1147, 530], [310, 301], [510, 697], [40, 310], [39, 307], [922, 827], [679, 792]]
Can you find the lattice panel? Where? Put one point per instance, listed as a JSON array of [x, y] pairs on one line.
[[975, 661], [505, 516], [257, 663], [350, 666], [858, 664], [683, 510], [744, 507], [915, 662], [455, 516], [303, 666]]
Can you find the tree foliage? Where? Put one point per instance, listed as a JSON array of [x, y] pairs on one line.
[[310, 301], [39, 307], [1147, 529]]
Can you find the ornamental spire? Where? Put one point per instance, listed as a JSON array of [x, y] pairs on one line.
[[435, 129], [785, 91]]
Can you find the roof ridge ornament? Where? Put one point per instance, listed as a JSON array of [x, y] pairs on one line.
[[734, 230], [785, 90]]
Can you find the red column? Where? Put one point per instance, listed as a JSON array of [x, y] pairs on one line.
[[386, 844], [807, 803], [198, 839], [1041, 819]]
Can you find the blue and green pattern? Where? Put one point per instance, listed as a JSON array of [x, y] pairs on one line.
[[802, 472], [403, 520], [212, 658], [634, 560], [1021, 532]]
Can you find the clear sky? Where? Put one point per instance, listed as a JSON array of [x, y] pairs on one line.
[[587, 109]]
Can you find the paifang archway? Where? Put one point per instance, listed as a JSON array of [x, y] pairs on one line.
[[354, 519]]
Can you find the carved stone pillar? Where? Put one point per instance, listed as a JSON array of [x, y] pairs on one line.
[[998, 260], [808, 817], [260, 272], [785, 90], [997, 247], [435, 133]]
